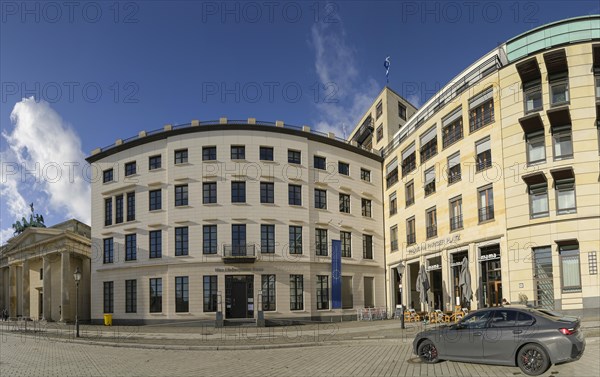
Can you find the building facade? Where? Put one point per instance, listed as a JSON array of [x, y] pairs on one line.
[[36, 273], [232, 217], [501, 167]]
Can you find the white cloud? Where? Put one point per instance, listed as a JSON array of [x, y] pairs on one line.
[[44, 164], [335, 63]]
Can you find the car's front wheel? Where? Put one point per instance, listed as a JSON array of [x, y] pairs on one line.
[[428, 352], [532, 360]]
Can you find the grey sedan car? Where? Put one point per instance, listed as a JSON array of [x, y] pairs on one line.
[[525, 337]]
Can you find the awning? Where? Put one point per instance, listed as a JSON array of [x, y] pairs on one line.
[[556, 61], [454, 115], [408, 151], [534, 178], [562, 173], [481, 98], [531, 123], [529, 70], [559, 116], [428, 136], [571, 241]]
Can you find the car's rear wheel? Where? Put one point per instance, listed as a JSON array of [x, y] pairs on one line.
[[533, 360], [428, 352]]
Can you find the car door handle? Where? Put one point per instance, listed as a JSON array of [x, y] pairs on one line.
[[477, 334], [517, 331]]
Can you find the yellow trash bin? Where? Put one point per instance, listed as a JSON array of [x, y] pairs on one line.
[[108, 320]]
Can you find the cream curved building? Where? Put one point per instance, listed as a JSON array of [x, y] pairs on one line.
[[501, 167], [235, 218]]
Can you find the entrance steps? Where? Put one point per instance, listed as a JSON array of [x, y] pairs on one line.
[[240, 322]]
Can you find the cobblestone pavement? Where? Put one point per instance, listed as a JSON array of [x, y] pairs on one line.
[[30, 356]]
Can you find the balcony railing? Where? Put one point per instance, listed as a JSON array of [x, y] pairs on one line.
[[411, 238], [239, 253], [486, 213], [456, 222], [431, 231], [394, 245]]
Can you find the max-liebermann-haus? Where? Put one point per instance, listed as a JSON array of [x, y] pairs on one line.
[[500, 167]]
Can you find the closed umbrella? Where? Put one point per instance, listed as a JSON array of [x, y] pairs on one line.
[[422, 285], [464, 280]]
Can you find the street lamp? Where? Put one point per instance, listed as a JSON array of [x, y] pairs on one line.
[[400, 269], [77, 277]]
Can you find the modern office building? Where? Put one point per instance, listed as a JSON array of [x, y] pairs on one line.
[[36, 273], [498, 170]]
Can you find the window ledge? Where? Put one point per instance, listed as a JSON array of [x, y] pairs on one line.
[[486, 221], [240, 204], [211, 204], [156, 170], [183, 206], [182, 164]]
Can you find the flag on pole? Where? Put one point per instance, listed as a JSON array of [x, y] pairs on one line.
[[386, 64]]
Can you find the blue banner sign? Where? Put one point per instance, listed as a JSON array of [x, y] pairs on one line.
[[336, 274]]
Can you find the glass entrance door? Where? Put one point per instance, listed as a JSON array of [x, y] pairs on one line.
[[544, 279], [239, 296]]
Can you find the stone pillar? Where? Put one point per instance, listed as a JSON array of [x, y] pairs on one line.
[[12, 291], [66, 281], [85, 290], [25, 287], [47, 289]]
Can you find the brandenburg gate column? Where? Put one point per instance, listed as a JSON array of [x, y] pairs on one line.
[[25, 288], [47, 290]]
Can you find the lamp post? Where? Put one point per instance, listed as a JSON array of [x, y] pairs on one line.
[[400, 269], [77, 277]]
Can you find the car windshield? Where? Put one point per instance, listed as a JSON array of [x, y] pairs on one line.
[[475, 320]]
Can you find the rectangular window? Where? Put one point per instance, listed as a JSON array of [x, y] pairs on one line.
[[320, 199], [454, 171], [563, 142], [267, 192], [532, 96], [209, 153], [484, 154], [296, 292], [209, 239], [131, 296], [456, 217], [294, 156], [238, 192], [322, 292], [108, 297], [365, 175], [565, 196], [401, 111], [210, 293], [41, 274], [536, 147], [238, 239], [428, 144], [570, 269], [154, 162], [411, 236], [367, 246], [366, 207], [481, 110], [430, 181], [345, 203], [559, 89], [391, 173], [538, 200], [181, 195], [181, 241], [346, 238], [320, 163], [486, 203], [155, 295], [409, 193], [347, 296], [107, 211], [266, 153], [119, 209], [268, 293], [130, 247], [379, 132], [155, 199], [130, 206], [267, 239], [452, 128], [181, 156], [393, 204], [238, 152], [107, 176], [182, 294], [378, 110], [295, 238], [394, 238], [155, 240], [409, 160], [431, 222], [592, 263], [209, 192], [321, 242], [295, 195], [130, 168], [344, 168], [108, 250]]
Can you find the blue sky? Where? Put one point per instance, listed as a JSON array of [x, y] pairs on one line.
[[106, 70]]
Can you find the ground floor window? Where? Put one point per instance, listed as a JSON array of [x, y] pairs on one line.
[[570, 271], [210, 293], [296, 292], [436, 297], [130, 296], [347, 295], [491, 276], [322, 292], [268, 292], [182, 296], [155, 295], [457, 293], [369, 289], [108, 296]]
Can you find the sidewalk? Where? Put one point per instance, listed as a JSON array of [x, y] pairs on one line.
[[210, 338]]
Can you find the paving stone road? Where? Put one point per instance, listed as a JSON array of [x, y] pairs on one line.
[[29, 356]]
